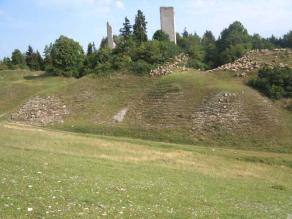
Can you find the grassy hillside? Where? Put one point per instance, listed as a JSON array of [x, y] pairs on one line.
[[18, 86], [46, 173], [212, 109], [232, 157]]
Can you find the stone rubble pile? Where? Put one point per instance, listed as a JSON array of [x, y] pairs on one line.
[[228, 112], [220, 112], [177, 64], [247, 63], [41, 111]]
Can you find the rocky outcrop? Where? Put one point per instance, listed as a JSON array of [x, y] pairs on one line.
[[177, 64], [41, 111]]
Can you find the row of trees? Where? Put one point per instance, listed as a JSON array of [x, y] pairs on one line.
[[31, 59], [233, 42], [135, 53]]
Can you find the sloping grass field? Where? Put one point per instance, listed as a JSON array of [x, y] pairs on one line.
[[77, 169], [46, 173]]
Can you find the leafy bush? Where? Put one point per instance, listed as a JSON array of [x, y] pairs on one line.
[[141, 67], [191, 44], [122, 62], [18, 60], [168, 50], [234, 41], [289, 107], [3, 66], [196, 64], [160, 36], [103, 68], [67, 57], [274, 82], [128, 55]]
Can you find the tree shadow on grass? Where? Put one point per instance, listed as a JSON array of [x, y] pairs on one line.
[[38, 76]]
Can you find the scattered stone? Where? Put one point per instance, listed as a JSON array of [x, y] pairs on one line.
[[227, 112], [222, 111], [41, 111]]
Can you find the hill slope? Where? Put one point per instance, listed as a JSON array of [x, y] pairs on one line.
[[190, 107]]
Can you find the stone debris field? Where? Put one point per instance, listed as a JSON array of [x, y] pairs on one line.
[[41, 111]]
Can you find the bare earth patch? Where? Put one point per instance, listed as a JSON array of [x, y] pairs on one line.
[[119, 117]]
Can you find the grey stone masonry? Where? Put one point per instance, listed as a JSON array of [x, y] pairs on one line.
[[167, 19], [110, 39]]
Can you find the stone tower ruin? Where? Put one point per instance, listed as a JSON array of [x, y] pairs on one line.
[[167, 19], [110, 39]]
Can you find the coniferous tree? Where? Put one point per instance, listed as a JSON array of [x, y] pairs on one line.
[[47, 54], [39, 60], [33, 59], [126, 31], [89, 49], [90, 59], [140, 27], [94, 47], [103, 43], [209, 44], [287, 40], [30, 58], [185, 33]]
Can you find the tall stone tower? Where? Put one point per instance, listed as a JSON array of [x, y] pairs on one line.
[[110, 39], [167, 19]]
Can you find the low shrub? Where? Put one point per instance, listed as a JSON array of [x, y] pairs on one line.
[[274, 82], [141, 67]]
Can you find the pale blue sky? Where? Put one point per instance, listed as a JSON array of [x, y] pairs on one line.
[[39, 22]]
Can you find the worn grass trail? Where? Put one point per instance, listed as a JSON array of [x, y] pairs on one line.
[[68, 175]]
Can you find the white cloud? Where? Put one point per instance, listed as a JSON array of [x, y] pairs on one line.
[[120, 4]]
